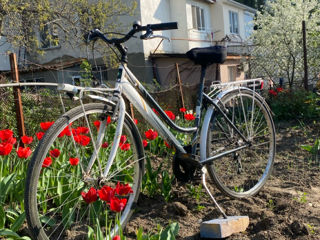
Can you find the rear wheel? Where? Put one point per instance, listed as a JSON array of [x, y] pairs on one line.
[[244, 172], [66, 200]]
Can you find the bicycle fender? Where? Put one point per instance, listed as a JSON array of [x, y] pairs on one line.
[[257, 95], [204, 133]]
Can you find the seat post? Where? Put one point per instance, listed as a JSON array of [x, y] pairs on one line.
[[200, 95]]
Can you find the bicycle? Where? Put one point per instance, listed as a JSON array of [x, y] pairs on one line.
[[72, 199]]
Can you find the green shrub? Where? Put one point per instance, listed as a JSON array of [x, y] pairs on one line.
[[297, 104]]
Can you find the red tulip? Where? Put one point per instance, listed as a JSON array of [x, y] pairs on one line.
[[11, 140], [125, 146], [279, 89], [155, 111], [123, 139], [66, 131], [26, 139], [145, 143], [167, 144], [135, 121], [82, 130], [55, 153], [170, 115], [105, 145], [91, 196], [183, 110], [189, 117], [117, 237], [46, 125], [82, 139], [74, 161], [151, 135], [39, 135], [106, 193], [108, 120], [272, 92], [117, 205], [97, 124], [24, 152], [5, 148], [47, 162], [123, 189], [6, 134]]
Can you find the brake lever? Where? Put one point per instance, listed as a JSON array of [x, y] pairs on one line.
[[157, 36]]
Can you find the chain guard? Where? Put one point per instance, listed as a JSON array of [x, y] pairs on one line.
[[184, 166]]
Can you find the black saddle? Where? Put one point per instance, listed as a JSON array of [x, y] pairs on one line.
[[208, 55]]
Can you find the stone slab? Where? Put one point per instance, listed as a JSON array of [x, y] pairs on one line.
[[221, 228]]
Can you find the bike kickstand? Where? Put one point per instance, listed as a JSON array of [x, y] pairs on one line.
[[221, 227], [204, 172]]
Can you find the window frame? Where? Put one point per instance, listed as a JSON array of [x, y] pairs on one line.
[[248, 28], [234, 22], [198, 18], [48, 35]]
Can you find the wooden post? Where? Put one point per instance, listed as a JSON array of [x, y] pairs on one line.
[[304, 41], [131, 111], [180, 85], [17, 96]]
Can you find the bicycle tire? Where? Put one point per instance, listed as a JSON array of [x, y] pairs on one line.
[[50, 211], [239, 174]]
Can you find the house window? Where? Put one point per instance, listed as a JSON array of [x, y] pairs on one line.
[[248, 24], [198, 18], [49, 37], [76, 80], [234, 22]]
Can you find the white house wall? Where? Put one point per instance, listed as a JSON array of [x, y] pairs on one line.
[[179, 14], [158, 11], [218, 21], [203, 38], [230, 6]]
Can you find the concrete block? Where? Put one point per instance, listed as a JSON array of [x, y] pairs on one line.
[[221, 228]]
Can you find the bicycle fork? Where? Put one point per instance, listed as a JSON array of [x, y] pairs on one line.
[[120, 110]]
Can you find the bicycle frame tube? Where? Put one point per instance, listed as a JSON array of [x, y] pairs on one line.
[[130, 76], [125, 81], [207, 119]]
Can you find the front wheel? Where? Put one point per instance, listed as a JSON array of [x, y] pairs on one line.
[[66, 197], [242, 173]]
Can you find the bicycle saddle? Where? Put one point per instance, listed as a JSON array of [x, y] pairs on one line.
[[208, 55]]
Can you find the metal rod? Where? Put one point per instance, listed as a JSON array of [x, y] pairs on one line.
[[204, 171], [210, 159]]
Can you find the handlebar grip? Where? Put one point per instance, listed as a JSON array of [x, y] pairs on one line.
[[164, 26]]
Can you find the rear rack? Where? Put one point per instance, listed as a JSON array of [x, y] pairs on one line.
[[255, 84]]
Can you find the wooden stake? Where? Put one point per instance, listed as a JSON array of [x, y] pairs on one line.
[[17, 96], [131, 111], [180, 85]]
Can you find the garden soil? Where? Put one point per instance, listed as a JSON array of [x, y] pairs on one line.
[[288, 207]]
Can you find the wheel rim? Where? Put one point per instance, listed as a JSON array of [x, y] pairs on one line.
[[244, 172], [62, 211]]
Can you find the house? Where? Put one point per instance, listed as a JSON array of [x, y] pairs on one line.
[[201, 23]]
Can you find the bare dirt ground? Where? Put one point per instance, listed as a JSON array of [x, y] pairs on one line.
[[288, 207]]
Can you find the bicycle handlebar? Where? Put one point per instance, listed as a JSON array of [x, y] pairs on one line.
[[96, 33]]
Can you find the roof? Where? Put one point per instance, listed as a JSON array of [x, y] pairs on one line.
[[52, 65], [33, 67], [241, 6]]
